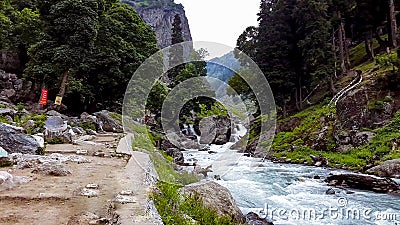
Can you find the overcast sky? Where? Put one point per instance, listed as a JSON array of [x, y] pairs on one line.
[[220, 21]]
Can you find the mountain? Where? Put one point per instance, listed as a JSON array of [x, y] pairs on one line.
[[216, 70], [159, 14]]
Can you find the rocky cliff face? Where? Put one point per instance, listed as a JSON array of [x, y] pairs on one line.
[[159, 14]]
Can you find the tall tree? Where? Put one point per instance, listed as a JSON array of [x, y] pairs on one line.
[[71, 28], [176, 53], [392, 25], [246, 43]]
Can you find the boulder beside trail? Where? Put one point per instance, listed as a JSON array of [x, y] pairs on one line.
[[110, 124], [13, 140], [216, 197]]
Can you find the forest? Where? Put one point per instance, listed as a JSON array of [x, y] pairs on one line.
[[301, 45], [85, 51]]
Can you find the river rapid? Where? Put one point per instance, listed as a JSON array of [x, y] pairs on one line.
[[291, 194]]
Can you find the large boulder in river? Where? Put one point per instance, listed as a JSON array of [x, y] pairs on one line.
[[389, 168], [13, 140], [363, 182], [110, 123], [215, 130], [176, 154], [216, 197], [254, 219]]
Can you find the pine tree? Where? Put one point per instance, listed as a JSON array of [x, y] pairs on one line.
[[176, 53]]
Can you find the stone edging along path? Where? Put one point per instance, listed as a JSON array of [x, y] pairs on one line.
[[139, 175]]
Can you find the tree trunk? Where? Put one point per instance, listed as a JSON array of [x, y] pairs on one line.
[[382, 44], [341, 45], [332, 86], [369, 48], [300, 98], [63, 85], [334, 51], [346, 48], [393, 25]]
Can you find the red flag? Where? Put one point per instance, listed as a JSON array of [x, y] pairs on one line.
[[43, 98]]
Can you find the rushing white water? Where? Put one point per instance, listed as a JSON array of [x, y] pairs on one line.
[[289, 194]]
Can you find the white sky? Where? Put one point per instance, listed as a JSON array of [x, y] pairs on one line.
[[220, 21]]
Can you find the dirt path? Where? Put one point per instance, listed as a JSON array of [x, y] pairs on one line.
[[117, 182]]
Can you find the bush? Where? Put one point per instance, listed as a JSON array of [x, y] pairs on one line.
[[175, 209], [88, 126]]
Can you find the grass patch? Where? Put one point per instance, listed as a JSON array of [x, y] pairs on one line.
[[307, 129], [116, 116], [176, 209], [142, 139], [358, 53], [88, 126], [355, 159], [161, 161], [56, 140], [39, 119]]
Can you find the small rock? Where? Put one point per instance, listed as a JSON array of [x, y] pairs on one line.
[[52, 169], [5, 176], [81, 152], [29, 124], [212, 152], [254, 219], [83, 218], [89, 193], [316, 177], [124, 199], [127, 192], [330, 191], [92, 186], [91, 132], [3, 153], [99, 154]]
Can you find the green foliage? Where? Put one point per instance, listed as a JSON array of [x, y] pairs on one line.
[[20, 107], [97, 44], [39, 119], [19, 27], [116, 116], [354, 159], [217, 109], [5, 164], [42, 151], [175, 208], [156, 98], [381, 144], [142, 139], [376, 105], [88, 126], [56, 140], [310, 123], [3, 119]]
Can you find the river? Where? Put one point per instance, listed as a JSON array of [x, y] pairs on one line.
[[289, 194]]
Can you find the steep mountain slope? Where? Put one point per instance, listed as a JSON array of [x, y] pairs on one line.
[[159, 14], [216, 70]]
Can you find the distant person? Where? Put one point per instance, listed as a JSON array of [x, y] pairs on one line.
[[101, 126]]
